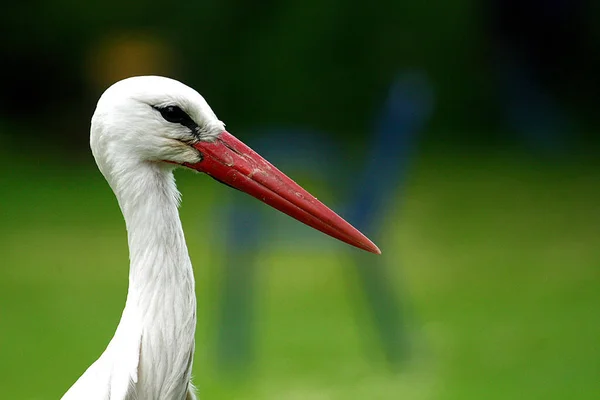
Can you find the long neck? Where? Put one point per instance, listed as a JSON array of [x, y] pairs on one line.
[[157, 249], [161, 298]]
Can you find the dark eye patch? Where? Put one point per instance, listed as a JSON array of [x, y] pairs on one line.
[[176, 115]]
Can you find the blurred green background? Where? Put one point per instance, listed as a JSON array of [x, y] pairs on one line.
[[491, 242]]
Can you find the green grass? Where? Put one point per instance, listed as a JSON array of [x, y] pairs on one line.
[[498, 260]]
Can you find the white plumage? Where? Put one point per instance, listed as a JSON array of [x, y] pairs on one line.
[[150, 356], [142, 129]]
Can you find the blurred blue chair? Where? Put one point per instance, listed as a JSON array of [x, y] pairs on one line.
[[387, 159]]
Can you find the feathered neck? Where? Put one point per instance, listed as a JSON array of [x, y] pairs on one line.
[[161, 301]]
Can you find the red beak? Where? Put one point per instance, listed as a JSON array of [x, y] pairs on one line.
[[232, 162]]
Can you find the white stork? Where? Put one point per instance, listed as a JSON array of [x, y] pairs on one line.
[[143, 128]]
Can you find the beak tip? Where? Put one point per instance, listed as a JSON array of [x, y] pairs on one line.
[[364, 243], [372, 248]]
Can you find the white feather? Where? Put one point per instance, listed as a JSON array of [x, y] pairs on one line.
[[150, 356]]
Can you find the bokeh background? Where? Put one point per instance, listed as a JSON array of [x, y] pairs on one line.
[[461, 135]]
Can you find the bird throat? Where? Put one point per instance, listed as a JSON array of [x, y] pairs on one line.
[[161, 297]]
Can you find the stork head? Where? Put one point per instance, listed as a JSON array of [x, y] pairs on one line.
[[151, 119]]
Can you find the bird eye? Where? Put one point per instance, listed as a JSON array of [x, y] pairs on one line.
[[174, 114]]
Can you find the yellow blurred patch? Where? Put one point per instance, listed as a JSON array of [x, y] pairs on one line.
[[124, 54]]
